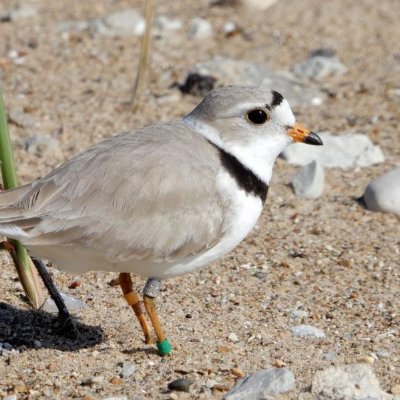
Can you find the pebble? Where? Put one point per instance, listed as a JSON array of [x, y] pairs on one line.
[[127, 369], [262, 385], [308, 183], [42, 145], [330, 356], [199, 29], [258, 4], [229, 71], [91, 380], [383, 194], [339, 151], [116, 380], [165, 23], [233, 337], [197, 84], [353, 381], [307, 331], [395, 389], [298, 314], [180, 385], [11, 397], [237, 372], [120, 23], [23, 11], [38, 344], [72, 304], [366, 359], [319, 65], [382, 354], [7, 346]]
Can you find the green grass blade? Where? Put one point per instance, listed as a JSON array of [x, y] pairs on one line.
[[23, 263]]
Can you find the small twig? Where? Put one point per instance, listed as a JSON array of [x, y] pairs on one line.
[[144, 56]]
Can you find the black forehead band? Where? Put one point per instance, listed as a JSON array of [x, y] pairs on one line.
[[277, 99]]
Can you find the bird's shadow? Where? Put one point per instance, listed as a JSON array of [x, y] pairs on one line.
[[26, 329]]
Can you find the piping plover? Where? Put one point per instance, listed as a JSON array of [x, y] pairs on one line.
[[162, 201]]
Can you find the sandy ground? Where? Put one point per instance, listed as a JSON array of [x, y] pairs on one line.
[[78, 86]]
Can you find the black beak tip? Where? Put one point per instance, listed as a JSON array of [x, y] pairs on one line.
[[313, 139]]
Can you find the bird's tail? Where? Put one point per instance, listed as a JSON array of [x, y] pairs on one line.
[[15, 220]]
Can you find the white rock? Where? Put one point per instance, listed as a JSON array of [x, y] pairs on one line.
[[347, 382], [229, 71], [121, 23], [307, 331], [259, 4], [116, 398], [383, 194], [262, 385], [295, 314], [344, 151], [200, 28], [233, 337], [165, 23], [11, 397], [319, 67], [71, 303], [309, 181]]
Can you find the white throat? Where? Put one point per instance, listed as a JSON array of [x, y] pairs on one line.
[[259, 155]]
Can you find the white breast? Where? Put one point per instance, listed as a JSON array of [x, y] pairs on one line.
[[244, 212]]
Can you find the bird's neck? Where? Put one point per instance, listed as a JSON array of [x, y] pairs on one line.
[[258, 155]]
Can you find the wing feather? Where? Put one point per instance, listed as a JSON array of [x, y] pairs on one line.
[[149, 195]]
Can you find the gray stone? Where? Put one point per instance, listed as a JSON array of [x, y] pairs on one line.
[[41, 145], [23, 11], [307, 331], [120, 23], [263, 384], [180, 385], [382, 354], [127, 370], [345, 151], [309, 181], [7, 346], [200, 28], [347, 382], [72, 304], [73, 26], [330, 356], [92, 380], [259, 4], [229, 71], [319, 66], [295, 314], [383, 194]]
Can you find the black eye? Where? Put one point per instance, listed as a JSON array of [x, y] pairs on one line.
[[257, 116]]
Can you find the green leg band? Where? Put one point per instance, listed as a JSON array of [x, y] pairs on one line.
[[164, 347]]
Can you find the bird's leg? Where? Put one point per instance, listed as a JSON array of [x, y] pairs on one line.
[[150, 292], [63, 312], [132, 299]]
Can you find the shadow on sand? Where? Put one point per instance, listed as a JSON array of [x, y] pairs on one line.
[[21, 328]]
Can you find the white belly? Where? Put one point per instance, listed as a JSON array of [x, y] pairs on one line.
[[244, 212]]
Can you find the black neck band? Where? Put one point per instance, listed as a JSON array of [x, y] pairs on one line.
[[244, 177]]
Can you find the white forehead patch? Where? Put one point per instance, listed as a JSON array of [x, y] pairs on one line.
[[282, 114]]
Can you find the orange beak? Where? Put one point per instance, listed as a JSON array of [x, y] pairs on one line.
[[300, 134]]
